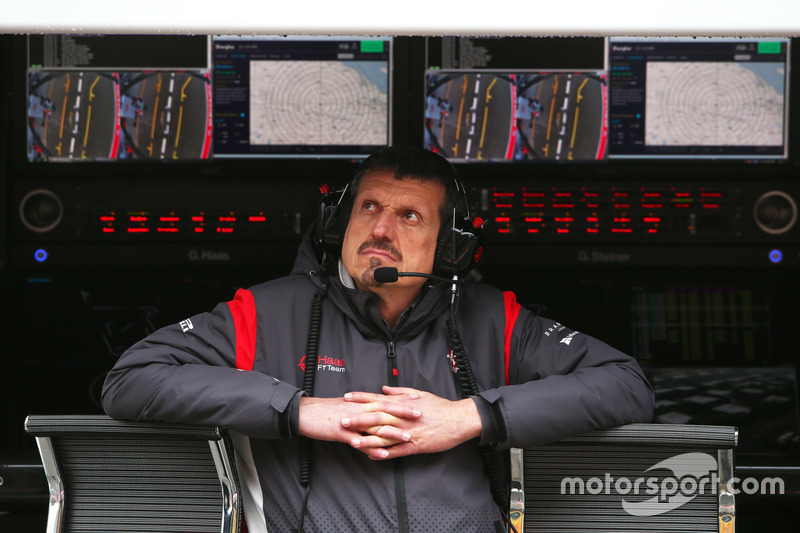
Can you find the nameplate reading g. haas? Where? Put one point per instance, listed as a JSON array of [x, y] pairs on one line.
[[208, 256]]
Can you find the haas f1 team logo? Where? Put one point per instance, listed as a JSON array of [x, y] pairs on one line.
[[325, 363]]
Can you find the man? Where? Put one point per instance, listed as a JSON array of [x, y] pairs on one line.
[[395, 436]]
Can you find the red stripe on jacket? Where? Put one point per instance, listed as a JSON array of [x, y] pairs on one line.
[[512, 312], [243, 309]]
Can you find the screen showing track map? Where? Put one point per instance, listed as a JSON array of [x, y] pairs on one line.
[[698, 98], [714, 103], [301, 96], [318, 102]]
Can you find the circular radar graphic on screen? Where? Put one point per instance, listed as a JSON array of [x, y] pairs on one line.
[[318, 102], [714, 103]]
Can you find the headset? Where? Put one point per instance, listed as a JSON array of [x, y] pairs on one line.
[[458, 246]]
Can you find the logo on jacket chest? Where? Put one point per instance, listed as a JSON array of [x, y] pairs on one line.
[[325, 364], [452, 358]]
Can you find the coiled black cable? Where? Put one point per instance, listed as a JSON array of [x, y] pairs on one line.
[[312, 349], [312, 345], [310, 371], [469, 387]]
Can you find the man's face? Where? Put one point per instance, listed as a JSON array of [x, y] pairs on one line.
[[394, 223]]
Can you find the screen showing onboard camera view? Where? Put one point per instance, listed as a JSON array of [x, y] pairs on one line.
[[704, 97], [301, 96], [104, 98], [516, 115], [516, 99]]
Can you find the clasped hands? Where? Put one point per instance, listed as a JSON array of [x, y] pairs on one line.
[[401, 421]]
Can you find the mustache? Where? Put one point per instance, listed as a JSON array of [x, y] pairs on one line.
[[382, 246]]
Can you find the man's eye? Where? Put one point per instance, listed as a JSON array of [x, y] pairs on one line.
[[368, 206], [411, 216]]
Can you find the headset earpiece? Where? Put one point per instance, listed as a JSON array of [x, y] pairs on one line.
[[458, 246], [332, 220]]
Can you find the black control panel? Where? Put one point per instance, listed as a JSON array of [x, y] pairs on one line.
[[178, 223], [660, 223], [543, 222]]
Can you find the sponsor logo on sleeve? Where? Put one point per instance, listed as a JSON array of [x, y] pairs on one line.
[[568, 339], [558, 328]]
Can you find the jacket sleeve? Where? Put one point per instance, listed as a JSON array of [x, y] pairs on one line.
[[196, 371], [561, 382]]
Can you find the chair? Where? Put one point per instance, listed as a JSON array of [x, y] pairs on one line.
[[633, 478], [108, 475]]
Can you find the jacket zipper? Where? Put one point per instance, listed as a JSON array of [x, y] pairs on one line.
[[394, 380], [399, 470]]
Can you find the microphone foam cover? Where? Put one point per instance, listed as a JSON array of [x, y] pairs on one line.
[[386, 275]]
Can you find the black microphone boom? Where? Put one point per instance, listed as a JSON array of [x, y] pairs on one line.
[[390, 275]]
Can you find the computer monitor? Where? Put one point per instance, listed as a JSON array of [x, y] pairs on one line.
[[703, 323], [690, 98], [490, 100], [296, 96], [559, 99], [112, 97]]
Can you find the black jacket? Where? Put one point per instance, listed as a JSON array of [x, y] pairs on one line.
[[241, 366]]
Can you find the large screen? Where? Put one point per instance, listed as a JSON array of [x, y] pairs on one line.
[[515, 99], [471, 99], [104, 98], [301, 96], [701, 324], [539, 99], [698, 98], [189, 98]]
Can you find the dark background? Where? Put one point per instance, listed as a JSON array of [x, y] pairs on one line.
[[64, 321]]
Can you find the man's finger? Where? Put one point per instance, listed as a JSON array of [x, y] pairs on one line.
[[378, 403], [367, 442], [399, 391], [365, 421], [393, 433], [401, 449], [362, 397]]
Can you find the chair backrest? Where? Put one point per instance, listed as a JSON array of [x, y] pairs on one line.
[[633, 478], [110, 475]]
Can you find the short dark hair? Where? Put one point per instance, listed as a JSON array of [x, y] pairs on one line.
[[413, 163]]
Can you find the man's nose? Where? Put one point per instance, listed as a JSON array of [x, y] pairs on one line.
[[384, 227]]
